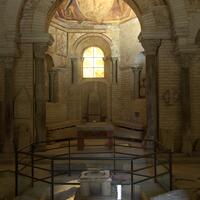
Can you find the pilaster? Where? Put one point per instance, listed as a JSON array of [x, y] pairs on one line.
[[7, 135], [185, 62]]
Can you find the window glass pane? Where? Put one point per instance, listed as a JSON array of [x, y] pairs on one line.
[[93, 63], [88, 62], [98, 52], [88, 72], [98, 72], [98, 62], [88, 52]]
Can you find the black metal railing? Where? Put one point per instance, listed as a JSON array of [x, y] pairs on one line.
[[123, 149]]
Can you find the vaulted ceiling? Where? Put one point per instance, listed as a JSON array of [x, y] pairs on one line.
[[97, 11]]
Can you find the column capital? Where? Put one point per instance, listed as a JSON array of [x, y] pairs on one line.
[[185, 59], [114, 59], [137, 69], [150, 45], [40, 49], [75, 58], [7, 61]]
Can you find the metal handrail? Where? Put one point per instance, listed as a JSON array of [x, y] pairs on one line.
[[69, 156]]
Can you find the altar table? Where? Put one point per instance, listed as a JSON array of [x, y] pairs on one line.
[[94, 130]]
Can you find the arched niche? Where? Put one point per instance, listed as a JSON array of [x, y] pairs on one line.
[[98, 87], [93, 40]]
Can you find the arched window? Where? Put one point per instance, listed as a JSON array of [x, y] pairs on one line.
[[93, 63]]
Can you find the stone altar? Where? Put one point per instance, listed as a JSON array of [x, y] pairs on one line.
[[94, 130]]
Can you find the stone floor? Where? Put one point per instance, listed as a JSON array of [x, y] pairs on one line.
[[186, 176]]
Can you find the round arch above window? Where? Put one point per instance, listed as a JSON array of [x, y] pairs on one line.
[[93, 63]]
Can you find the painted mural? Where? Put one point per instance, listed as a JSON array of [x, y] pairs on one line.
[[98, 11], [60, 41]]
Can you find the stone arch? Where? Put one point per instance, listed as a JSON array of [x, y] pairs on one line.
[[38, 13], [152, 30], [45, 9], [35, 17], [9, 35], [87, 40]]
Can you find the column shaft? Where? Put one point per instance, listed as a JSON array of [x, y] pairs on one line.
[[151, 47], [7, 135], [185, 60], [40, 101]]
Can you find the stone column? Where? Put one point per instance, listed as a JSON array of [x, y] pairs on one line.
[[40, 102], [185, 61], [136, 73], [151, 51], [74, 65], [114, 69], [7, 135], [53, 85]]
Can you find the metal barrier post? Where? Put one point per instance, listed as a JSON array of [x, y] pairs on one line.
[[69, 158], [16, 172], [114, 156], [155, 162], [32, 165], [132, 183], [170, 171], [52, 179]]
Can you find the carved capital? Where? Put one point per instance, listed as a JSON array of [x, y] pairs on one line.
[[114, 59], [7, 62], [150, 46], [185, 60], [40, 49], [75, 59], [137, 69]]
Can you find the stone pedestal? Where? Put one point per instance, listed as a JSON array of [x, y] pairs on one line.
[[95, 185]]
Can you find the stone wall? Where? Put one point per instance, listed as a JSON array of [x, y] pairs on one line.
[[24, 23], [169, 95], [123, 45], [24, 96], [129, 48]]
